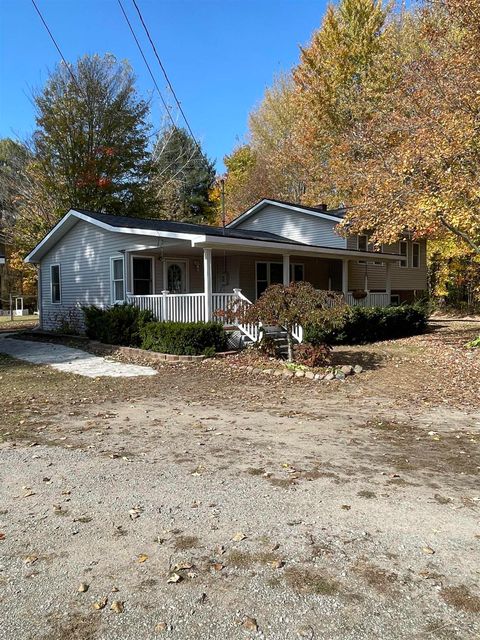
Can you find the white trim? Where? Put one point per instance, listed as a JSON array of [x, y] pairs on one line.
[[2, 260], [103, 225], [405, 259], [112, 280], [52, 301], [291, 248], [166, 262], [143, 257], [419, 255], [290, 207]]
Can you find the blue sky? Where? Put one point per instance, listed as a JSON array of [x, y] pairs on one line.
[[220, 54]]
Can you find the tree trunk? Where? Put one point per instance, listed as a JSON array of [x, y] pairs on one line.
[[289, 343]]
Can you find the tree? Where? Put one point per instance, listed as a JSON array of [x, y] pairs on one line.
[[295, 304], [416, 163], [90, 146], [246, 180], [183, 177], [342, 73]]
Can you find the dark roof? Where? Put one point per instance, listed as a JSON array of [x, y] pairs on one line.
[[336, 213], [155, 224]]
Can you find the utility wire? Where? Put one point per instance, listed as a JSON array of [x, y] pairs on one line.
[[56, 45], [166, 76], [146, 63]]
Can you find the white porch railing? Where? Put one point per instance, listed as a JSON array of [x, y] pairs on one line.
[[190, 307], [371, 300]]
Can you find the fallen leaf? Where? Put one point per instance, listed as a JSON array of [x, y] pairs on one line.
[[347, 507], [161, 627], [238, 537], [428, 550], [115, 589], [182, 566], [142, 557], [174, 578], [2, 535], [217, 566], [250, 624], [27, 494], [100, 604], [83, 587], [30, 560], [277, 564], [117, 606]]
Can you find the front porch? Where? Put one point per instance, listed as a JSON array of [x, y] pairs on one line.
[[182, 283], [194, 307]]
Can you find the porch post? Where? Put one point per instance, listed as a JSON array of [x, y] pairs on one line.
[[286, 270], [388, 281], [207, 283], [345, 277]]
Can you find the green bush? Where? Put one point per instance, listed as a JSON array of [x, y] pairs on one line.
[[120, 324], [184, 338], [371, 324]]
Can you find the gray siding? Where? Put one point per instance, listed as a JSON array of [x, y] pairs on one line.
[[84, 258], [294, 225], [402, 278]]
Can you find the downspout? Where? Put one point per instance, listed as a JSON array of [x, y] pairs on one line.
[[39, 294]]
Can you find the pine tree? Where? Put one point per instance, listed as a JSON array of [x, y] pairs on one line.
[[183, 178]]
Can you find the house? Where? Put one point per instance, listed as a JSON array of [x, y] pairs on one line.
[[186, 272]]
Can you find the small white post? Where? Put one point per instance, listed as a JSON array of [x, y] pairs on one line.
[[388, 282], [345, 277], [286, 270], [207, 283], [164, 305]]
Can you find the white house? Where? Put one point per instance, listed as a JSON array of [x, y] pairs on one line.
[[184, 271]]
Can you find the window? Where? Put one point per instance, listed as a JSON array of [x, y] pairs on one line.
[[56, 289], [415, 255], [296, 272], [142, 276], [362, 242], [272, 273], [403, 250], [362, 245], [118, 280]]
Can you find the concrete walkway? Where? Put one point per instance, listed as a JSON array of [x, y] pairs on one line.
[[69, 360]]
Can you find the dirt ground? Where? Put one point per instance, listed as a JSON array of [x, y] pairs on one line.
[[208, 503]]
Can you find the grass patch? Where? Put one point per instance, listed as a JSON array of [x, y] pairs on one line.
[[461, 598], [311, 581], [183, 543], [367, 494], [245, 559], [376, 577]]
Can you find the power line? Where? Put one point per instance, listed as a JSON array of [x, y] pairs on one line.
[[56, 45], [146, 63], [166, 76]]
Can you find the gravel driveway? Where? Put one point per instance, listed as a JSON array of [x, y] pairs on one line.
[[207, 504]]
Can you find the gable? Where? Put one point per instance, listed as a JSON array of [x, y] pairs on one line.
[[294, 225]]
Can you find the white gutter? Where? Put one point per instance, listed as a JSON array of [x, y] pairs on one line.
[[219, 242]]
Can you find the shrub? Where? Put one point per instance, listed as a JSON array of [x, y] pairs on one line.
[[120, 324], [370, 324], [184, 338], [312, 355]]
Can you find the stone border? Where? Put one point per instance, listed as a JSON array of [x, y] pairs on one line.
[[334, 373], [100, 348]]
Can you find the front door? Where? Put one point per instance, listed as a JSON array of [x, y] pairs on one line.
[[176, 276]]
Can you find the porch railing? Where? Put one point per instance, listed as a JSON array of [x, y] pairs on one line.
[[190, 307], [371, 300]]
